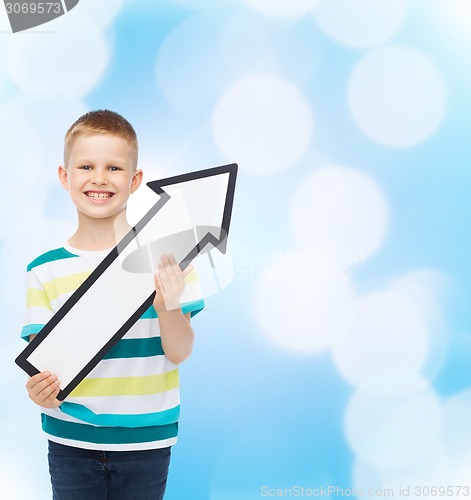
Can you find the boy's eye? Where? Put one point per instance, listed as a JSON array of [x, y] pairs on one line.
[[114, 169], [85, 167]]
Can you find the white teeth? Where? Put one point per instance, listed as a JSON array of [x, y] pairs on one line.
[[101, 196]]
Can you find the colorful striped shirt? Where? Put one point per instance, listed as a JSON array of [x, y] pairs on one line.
[[131, 399]]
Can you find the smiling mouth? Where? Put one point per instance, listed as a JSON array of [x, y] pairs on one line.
[[99, 195]]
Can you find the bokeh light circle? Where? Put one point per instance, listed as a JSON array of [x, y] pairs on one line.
[[362, 23], [427, 290], [392, 433], [397, 96], [341, 211], [399, 483], [299, 296], [63, 63], [380, 334], [264, 122]]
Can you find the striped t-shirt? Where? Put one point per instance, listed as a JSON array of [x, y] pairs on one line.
[[131, 399]]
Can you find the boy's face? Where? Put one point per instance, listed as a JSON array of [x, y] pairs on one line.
[[100, 175]]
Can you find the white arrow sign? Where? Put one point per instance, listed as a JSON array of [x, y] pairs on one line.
[[192, 215]]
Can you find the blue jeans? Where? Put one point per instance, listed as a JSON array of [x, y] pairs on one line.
[[78, 474]]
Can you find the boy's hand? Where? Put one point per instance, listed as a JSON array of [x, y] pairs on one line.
[[43, 389], [169, 284]]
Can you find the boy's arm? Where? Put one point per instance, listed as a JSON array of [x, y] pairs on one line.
[[175, 330], [176, 334]]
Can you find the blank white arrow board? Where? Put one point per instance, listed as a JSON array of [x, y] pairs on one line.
[[190, 213], [108, 303]]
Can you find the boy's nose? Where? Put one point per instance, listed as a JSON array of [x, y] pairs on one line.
[[99, 178]]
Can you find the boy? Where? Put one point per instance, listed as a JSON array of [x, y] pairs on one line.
[[111, 437]]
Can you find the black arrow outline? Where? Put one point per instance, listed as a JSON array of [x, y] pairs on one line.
[[157, 186]]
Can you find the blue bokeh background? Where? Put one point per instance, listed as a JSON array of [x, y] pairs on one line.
[[350, 121]]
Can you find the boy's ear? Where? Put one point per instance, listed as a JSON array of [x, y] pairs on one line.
[[136, 180], [63, 177]]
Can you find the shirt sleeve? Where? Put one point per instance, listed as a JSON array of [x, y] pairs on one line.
[[38, 308], [192, 300]]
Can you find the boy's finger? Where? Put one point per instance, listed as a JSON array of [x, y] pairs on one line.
[[32, 381], [165, 279], [54, 393], [171, 259], [170, 265], [164, 272], [50, 392], [40, 381], [165, 259]]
